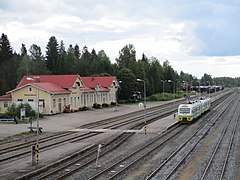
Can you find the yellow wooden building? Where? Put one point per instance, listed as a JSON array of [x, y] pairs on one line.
[[54, 92]]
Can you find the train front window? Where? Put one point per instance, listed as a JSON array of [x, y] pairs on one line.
[[184, 110]]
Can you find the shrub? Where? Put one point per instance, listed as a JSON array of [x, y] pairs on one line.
[[14, 110]]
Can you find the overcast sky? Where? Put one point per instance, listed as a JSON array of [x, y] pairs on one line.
[[196, 37]]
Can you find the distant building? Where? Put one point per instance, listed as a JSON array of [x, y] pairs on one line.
[[56, 91]]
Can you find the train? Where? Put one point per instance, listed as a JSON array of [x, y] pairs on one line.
[[192, 110]]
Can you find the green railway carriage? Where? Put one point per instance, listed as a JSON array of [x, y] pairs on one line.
[[192, 110]]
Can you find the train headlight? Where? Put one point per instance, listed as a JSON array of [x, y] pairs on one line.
[[180, 118], [189, 118]]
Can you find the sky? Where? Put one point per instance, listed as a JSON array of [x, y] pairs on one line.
[[196, 37]]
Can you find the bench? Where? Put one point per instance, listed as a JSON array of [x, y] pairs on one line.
[[35, 128], [9, 120]]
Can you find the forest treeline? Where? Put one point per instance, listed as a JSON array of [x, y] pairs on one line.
[[75, 60]]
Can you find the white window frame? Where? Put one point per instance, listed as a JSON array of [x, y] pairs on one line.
[[54, 103], [5, 104]]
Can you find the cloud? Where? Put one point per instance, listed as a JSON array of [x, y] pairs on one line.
[[213, 27], [195, 36]]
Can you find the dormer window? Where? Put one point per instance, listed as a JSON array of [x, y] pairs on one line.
[[78, 84]]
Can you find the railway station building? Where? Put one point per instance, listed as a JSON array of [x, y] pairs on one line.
[[55, 92]]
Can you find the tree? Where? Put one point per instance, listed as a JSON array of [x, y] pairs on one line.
[[23, 50], [35, 52], [77, 52], [155, 76], [62, 58], [24, 67], [129, 83], [84, 63], [52, 56], [206, 79], [38, 64], [127, 58], [104, 63], [6, 62], [70, 61]]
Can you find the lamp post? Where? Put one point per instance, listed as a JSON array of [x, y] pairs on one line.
[[145, 115], [199, 89], [36, 79], [116, 87], [170, 81], [209, 88], [186, 85], [215, 87], [163, 81]]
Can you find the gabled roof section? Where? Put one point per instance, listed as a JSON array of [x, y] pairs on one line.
[[6, 97], [63, 81], [51, 87], [48, 87], [93, 81]]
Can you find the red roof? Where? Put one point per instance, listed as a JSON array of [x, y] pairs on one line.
[[51, 87], [104, 81], [64, 81], [87, 89], [6, 97]]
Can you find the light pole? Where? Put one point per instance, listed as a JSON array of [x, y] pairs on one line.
[[145, 115], [209, 88], [186, 85], [170, 81], [199, 89], [36, 79], [116, 87], [163, 81], [215, 88]]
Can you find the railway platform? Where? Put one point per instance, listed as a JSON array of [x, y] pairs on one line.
[[71, 121]]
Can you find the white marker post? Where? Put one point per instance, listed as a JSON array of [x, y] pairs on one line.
[[99, 150]]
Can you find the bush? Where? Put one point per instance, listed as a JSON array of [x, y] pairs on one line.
[[14, 110]]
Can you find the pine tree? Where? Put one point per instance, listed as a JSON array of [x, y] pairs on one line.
[[52, 56], [38, 63], [6, 55]]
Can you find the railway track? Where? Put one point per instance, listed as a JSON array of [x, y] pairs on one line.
[[166, 168], [115, 170], [14, 153], [72, 166], [222, 149], [18, 150]]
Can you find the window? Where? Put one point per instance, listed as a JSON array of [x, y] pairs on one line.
[[20, 100], [43, 102], [5, 104], [75, 101], [54, 103], [64, 102], [30, 100], [78, 84], [184, 110], [30, 89]]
